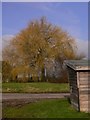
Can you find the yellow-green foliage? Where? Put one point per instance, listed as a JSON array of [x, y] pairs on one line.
[[39, 43], [6, 71]]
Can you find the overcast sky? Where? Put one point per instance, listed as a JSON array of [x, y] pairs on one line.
[[72, 17]]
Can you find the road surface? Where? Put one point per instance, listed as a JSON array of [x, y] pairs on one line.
[[12, 96]]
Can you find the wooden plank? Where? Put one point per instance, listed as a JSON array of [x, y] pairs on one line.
[[84, 109], [84, 74], [84, 97], [86, 102], [84, 105], [84, 82], [75, 105], [84, 86], [78, 82]]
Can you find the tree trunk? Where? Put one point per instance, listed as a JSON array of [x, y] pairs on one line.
[[43, 79]]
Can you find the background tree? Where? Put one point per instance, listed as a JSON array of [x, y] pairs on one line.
[[39, 45], [6, 71]]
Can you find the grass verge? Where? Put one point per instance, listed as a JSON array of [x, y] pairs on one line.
[[44, 109], [40, 87]]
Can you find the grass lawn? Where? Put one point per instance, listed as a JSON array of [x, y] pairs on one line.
[[39, 87], [44, 109]]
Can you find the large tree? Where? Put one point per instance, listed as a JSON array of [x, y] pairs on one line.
[[39, 45]]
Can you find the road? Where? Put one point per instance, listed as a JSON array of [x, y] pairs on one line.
[[12, 96], [19, 99]]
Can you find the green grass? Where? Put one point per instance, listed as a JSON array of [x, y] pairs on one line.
[[39, 87], [44, 109]]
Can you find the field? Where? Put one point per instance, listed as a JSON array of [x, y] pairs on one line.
[[52, 108], [59, 108], [39, 87]]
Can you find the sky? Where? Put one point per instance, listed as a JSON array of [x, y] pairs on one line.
[[70, 16], [45, 0], [0, 31]]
